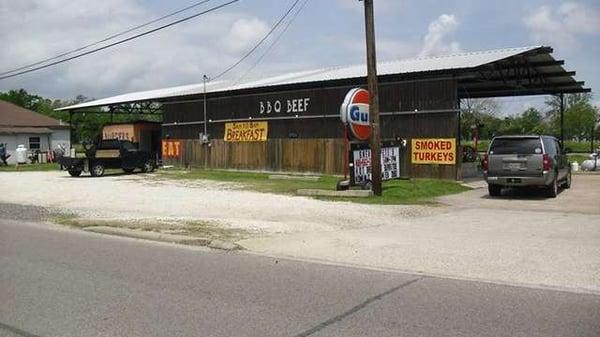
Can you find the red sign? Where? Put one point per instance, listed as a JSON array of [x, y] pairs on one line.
[[355, 113]]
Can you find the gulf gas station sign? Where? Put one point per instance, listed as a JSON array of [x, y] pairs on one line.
[[433, 151], [354, 112]]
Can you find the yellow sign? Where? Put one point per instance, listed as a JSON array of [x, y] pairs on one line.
[[246, 132], [433, 151]]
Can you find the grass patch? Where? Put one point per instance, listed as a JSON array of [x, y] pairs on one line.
[[414, 191], [578, 157], [394, 191], [29, 167]]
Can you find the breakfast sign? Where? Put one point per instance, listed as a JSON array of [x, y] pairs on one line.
[[246, 132]]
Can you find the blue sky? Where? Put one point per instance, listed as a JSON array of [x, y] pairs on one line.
[[326, 33]]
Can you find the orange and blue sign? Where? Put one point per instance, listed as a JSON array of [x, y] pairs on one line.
[[355, 113]]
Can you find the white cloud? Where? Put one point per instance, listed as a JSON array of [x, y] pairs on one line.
[[562, 25], [244, 33], [437, 40], [36, 29]]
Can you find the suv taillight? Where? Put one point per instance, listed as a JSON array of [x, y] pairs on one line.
[[485, 162], [547, 162]]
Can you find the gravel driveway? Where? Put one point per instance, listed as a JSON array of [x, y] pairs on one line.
[[140, 196]]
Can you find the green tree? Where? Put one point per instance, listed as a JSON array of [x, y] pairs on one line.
[[579, 116]]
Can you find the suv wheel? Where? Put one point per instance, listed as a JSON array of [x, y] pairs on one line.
[[568, 180], [97, 170], [494, 190], [553, 189]]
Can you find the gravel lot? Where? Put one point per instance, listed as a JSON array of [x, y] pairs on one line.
[[137, 197]]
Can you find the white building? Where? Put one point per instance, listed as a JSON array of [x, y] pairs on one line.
[[20, 126]]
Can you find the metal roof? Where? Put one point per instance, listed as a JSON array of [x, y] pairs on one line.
[[481, 73]]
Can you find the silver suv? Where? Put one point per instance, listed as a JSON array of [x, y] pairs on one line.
[[514, 161]]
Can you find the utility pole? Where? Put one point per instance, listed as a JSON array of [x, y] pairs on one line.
[[375, 139], [205, 78], [204, 139]]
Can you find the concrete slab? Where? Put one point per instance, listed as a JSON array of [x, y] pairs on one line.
[[330, 193], [293, 177], [148, 235]]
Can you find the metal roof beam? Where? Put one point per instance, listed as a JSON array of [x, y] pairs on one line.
[[526, 92], [512, 78], [513, 66]]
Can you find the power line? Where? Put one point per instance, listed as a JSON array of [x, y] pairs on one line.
[[121, 41], [107, 38], [285, 28], [258, 44]]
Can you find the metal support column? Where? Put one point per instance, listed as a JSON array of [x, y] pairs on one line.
[[70, 129], [562, 119]]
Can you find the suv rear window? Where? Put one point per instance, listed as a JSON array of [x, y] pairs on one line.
[[516, 146]]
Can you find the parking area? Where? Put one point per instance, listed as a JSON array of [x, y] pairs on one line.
[[582, 197]]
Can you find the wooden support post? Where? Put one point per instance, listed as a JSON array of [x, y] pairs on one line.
[[375, 139]]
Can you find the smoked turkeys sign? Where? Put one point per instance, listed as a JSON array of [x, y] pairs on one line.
[[354, 112]]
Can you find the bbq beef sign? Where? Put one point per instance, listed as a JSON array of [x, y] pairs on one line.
[[354, 112]]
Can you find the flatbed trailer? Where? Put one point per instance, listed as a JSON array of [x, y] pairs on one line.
[[109, 154]]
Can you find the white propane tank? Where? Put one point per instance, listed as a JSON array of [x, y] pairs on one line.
[[21, 154], [72, 154], [574, 166]]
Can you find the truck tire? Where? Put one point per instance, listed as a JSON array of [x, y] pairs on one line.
[[75, 173], [148, 166], [552, 190], [494, 190], [97, 170]]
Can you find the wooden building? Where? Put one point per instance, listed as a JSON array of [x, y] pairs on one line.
[[300, 112]]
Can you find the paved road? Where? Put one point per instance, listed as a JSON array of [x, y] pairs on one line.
[[58, 282]]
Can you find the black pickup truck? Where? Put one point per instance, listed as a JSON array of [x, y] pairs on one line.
[[108, 154]]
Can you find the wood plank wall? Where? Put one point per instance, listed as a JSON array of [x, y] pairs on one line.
[[324, 156]]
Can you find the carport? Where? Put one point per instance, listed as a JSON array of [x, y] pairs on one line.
[[535, 72]]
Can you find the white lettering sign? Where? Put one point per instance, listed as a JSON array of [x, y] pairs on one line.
[[291, 106]]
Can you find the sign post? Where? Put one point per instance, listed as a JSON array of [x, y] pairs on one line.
[[374, 98]]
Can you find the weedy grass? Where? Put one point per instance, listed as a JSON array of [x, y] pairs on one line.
[[414, 191]]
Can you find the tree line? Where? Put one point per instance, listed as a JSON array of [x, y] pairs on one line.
[[85, 126], [580, 118]]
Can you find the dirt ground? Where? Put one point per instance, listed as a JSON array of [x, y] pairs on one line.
[[519, 238]]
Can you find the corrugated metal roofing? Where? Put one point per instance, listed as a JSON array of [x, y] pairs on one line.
[[414, 65]]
